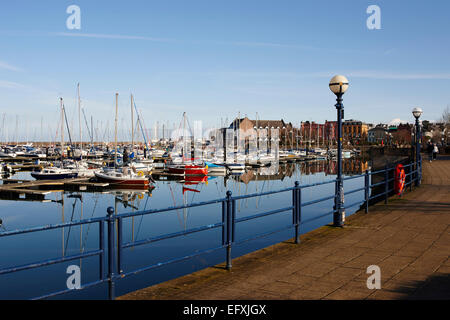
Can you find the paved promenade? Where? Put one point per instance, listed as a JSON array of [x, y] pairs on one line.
[[409, 239]]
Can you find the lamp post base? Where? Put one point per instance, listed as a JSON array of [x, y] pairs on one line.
[[339, 214], [339, 218]]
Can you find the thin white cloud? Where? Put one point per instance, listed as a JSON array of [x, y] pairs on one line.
[[10, 85], [367, 74], [373, 74], [267, 44], [7, 66], [110, 36], [399, 76], [229, 43]]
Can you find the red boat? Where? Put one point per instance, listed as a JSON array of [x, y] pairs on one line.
[[188, 170]]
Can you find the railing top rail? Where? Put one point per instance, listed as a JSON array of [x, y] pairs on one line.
[[354, 177], [262, 193], [52, 226], [316, 184], [196, 204]]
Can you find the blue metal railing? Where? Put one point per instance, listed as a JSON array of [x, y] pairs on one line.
[[114, 225]]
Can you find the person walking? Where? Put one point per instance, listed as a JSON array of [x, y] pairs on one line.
[[435, 151], [430, 151]]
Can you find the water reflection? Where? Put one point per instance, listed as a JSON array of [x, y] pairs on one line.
[[180, 190], [20, 211]]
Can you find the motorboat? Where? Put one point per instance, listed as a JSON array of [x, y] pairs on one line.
[[54, 174]]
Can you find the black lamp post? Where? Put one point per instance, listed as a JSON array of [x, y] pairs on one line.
[[417, 112], [338, 85]]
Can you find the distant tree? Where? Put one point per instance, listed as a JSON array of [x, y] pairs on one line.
[[446, 115], [446, 121]]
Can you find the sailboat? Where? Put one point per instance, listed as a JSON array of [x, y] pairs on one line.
[[184, 165], [54, 173], [124, 176]]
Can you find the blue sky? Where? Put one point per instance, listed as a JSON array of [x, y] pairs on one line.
[[214, 59]]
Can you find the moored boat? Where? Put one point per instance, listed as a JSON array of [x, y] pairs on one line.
[[188, 170], [54, 174], [123, 177]]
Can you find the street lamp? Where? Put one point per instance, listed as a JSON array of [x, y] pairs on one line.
[[339, 85], [417, 112]]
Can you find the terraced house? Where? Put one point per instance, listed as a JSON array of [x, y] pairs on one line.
[[354, 131]]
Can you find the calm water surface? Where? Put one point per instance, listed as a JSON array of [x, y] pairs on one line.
[[60, 206]]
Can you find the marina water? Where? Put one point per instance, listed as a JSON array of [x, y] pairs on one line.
[[66, 206]]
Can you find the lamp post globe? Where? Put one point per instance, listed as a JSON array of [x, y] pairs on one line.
[[339, 85], [417, 112]]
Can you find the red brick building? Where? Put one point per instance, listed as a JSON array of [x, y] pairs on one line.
[[286, 131], [315, 132], [403, 134]]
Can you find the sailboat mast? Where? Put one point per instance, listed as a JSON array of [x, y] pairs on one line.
[[132, 126], [115, 131], [62, 131], [92, 130], [79, 118], [184, 138]]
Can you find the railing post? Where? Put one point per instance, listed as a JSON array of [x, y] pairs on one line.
[[296, 213], [101, 245], [233, 219], [294, 204], [386, 183], [224, 222], [420, 170], [111, 289], [411, 172], [366, 190], [119, 245], [229, 228]]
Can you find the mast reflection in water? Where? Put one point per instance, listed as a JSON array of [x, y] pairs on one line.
[[56, 207]]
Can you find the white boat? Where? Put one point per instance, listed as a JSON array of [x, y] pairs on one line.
[[123, 177], [7, 153], [157, 153], [145, 167]]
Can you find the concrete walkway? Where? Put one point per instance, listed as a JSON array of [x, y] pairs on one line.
[[409, 239]]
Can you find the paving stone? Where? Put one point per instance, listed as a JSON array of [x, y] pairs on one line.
[[342, 294]]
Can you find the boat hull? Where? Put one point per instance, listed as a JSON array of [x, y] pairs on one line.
[[122, 181], [189, 170], [53, 176]]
